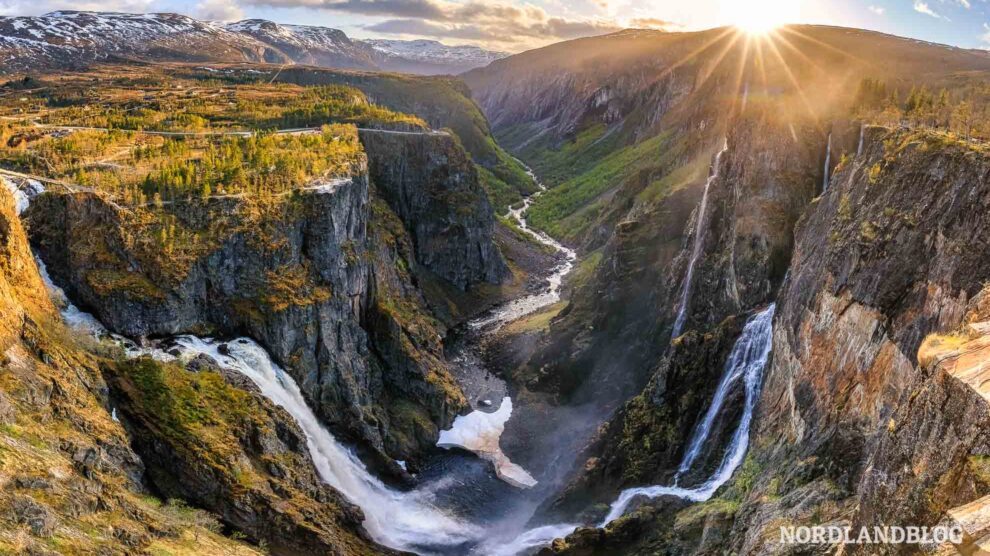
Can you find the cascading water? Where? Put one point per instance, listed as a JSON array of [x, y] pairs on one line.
[[400, 520], [828, 162], [859, 146], [699, 228], [748, 358], [749, 348]]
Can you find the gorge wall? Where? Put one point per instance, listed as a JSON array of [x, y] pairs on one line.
[[320, 277]]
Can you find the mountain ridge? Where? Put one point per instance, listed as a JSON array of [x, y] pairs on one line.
[[69, 39]]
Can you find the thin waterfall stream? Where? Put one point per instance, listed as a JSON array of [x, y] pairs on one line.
[[748, 358], [699, 230], [419, 520], [828, 162]]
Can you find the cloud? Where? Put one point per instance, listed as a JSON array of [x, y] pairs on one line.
[[877, 10], [218, 10], [652, 23], [39, 7], [985, 37], [922, 7], [495, 23], [426, 9]]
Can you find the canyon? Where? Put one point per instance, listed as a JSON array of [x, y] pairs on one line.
[[707, 296]]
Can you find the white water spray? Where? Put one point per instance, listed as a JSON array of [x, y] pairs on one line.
[[699, 229], [523, 306], [828, 162], [859, 146], [400, 520], [748, 358]]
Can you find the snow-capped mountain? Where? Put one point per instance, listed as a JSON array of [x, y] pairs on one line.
[[310, 45], [73, 39], [427, 55], [66, 39]]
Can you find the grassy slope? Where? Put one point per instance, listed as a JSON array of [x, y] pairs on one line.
[[588, 172], [444, 102]]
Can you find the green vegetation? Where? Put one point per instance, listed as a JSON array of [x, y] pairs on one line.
[[962, 107], [165, 103], [567, 210], [198, 410], [556, 163], [445, 103], [137, 169]]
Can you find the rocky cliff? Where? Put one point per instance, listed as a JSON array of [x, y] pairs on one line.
[[886, 257], [302, 275], [862, 421], [432, 186], [71, 482]]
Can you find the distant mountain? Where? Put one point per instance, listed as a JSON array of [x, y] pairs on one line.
[[73, 39], [432, 57]]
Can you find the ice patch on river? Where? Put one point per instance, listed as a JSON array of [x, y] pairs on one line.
[[479, 432]]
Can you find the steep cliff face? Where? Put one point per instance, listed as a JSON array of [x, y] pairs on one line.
[[432, 186], [760, 186], [231, 450], [889, 255], [71, 479], [295, 272]]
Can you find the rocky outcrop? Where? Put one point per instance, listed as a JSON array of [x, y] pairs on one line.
[[849, 415], [70, 478], [430, 183], [294, 272], [235, 453]]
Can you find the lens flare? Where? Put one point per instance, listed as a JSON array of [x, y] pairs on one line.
[[759, 17]]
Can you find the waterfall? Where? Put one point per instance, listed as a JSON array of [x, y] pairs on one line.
[[748, 358], [699, 229], [749, 348], [400, 520], [828, 161], [859, 146]]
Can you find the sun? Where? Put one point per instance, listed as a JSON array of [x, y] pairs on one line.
[[758, 17]]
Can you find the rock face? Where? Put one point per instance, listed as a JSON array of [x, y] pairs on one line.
[[70, 475], [248, 462], [299, 274], [433, 187], [886, 257]]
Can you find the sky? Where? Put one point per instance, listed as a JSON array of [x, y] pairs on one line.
[[516, 25]]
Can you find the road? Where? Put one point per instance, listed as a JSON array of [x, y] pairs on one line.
[[234, 133]]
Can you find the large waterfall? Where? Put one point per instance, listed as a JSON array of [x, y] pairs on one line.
[[748, 358], [859, 146], [401, 520], [699, 229]]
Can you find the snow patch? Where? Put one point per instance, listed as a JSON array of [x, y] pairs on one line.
[[479, 432]]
